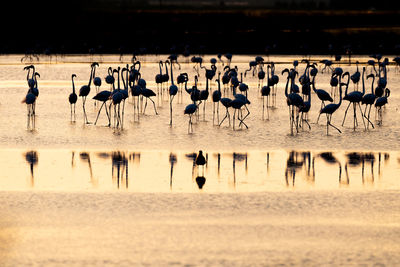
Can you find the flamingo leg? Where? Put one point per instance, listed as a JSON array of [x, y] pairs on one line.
[[98, 113], [154, 104], [345, 113]]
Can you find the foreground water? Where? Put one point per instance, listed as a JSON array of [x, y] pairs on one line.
[[84, 195]]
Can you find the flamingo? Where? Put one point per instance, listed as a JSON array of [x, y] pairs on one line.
[[292, 99], [355, 78], [203, 98], [73, 97], [147, 93], [173, 90], [158, 78], [304, 109], [354, 98], [331, 108], [265, 92], [369, 99], [379, 103], [116, 98], [227, 103], [180, 80], [322, 94], [216, 97], [252, 65], [275, 81], [237, 104], [190, 110], [84, 92], [96, 80], [200, 160], [165, 76]]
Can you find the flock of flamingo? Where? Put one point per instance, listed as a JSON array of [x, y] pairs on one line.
[[234, 94]]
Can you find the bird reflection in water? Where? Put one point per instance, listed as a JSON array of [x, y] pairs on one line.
[[134, 157], [73, 159], [356, 159], [31, 158], [119, 169], [192, 157], [86, 158], [238, 157], [368, 158], [293, 164], [386, 159], [200, 180], [329, 158], [172, 161], [308, 163], [200, 161]]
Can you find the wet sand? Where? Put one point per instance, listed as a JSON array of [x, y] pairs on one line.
[[333, 228]]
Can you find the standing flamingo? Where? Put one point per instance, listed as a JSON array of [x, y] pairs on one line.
[[84, 92], [216, 97], [73, 97], [369, 99], [173, 90], [331, 108], [158, 78], [380, 102], [96, 80], [354, 98]]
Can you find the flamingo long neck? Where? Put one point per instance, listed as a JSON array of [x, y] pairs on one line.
[[138, 63], [123, 79], [172, 77], [33, 72], [385, 72], [372, 84], [219, 85], [36, 83], [363, 84], [119, 84], [207, 84], [29, 72], [91, 75], [166, 68], [287, 86], [160, 67], [268, 69], [313, 83], [340, 89], [186, 89], [73, 85]]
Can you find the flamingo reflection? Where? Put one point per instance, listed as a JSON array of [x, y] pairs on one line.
[[329, 158], [119, 168], [238, 157], [86, 157], [355, 159], [31, 158], [293, 164], [172, 161], [200, 180]]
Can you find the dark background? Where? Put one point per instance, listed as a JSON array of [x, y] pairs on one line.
[[197, 27]]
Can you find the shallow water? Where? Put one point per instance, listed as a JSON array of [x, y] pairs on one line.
[[84, 195], [53, 128], [162, 171]]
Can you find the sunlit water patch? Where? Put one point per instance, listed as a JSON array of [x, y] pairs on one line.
[[162, 171]]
